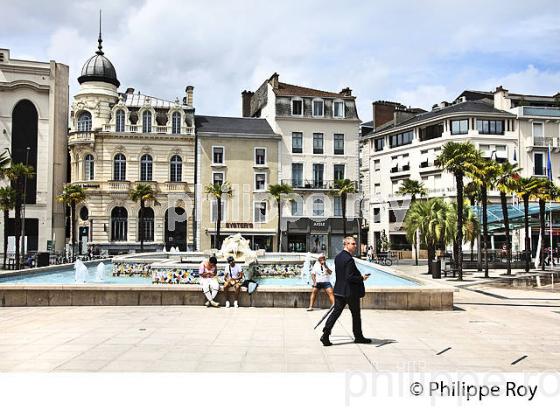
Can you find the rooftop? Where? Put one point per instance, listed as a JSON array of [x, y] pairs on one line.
[[141, 100], [289, 90], [233, 125]]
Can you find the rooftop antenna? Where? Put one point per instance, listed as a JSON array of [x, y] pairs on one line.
[[99, 40]]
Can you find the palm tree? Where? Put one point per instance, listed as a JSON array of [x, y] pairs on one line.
[[7, 202], [278, 192], [72, 195], [472, 192], [506, 181], [4, 162], [218, 192], [526, 188], [412, 187], [343, 187], [428, 218], [17, 174], [142, 193], [545, 191], [455, 158], [483, 173]]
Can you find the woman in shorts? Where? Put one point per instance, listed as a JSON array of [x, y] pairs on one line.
[[321, 274]]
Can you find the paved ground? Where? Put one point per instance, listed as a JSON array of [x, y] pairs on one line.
[[488, 331]]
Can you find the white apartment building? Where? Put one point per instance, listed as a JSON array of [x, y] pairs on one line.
[[33, 128], [320, 138]]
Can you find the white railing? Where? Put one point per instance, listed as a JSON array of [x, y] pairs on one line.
[[175, 186], [157, 129], [81, 137], [118, 185]]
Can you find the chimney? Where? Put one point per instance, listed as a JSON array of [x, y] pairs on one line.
[[130, 90], [273, 80], [347, 92], [401, 115], [382, 112], [246, 97], [189, 91], [501, 99]]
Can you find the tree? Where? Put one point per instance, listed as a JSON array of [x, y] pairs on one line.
[[142, 193], [545, 190], [412, 187], [218, 192], [17, 174], [455, 158], [506, 181], [7, 202], [71, 196], [4, 162], [343, 187], [472, 192], [428, 218], [526, 188], [278, 192]]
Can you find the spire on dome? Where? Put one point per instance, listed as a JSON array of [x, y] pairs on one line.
[[99, 40]]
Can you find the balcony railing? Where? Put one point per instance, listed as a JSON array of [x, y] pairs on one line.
[[545, 142], [117, 186], [539, 171], [312, 184], [174, 187], [404, 168], [541, 111], [81, 137], [158, 129]]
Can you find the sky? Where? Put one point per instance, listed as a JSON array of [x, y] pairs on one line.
[[418, 53]]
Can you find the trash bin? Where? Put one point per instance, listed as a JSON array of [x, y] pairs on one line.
[[436, 269], [43, 259]]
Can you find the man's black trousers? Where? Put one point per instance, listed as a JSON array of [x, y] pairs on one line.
[[354, 305]]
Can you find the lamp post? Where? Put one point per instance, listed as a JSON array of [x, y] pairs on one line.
[[360, 217], [23, 247]]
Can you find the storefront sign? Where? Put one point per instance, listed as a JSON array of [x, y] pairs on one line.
[[239, 225]]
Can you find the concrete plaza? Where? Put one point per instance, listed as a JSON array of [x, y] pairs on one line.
[[490, 329]]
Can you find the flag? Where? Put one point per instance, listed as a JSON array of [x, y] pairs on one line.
[[549, 166]]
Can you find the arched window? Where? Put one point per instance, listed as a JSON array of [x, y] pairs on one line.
[[176, 123], [89, 172], [119, 126], [148, 224], [176, 170], [84, 121], [119, 224], [146, 121], [119, 168], [25, 122], [318, 207], [146, 167]]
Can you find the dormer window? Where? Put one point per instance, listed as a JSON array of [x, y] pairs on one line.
[[119, 122], [147, 121], [318, 107], [176, 123], [297, 106], [84, 121], [338, 109]]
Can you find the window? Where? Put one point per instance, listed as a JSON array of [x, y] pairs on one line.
[[119, 121], [490, 127], [260, 182], [538, 130], [337, 206], [260, 212], [376, 164], [297, 106], [338, 109], [119, 168], [318, 207], [297, 175], [260, 156], [218, 178], [214, 211], [459, 127], [148, 224], [339, 144], [318, 108], [176, 123], [405, 163], [146, 167], [538, 158], [401, 139], [376, 189], [147, 121], [431, 132], [317, 143], [297, 207], [217, 155], [89, 174], [338, 171], [378, 144], [176, 169], [376, 215], [84, 121], [318, 170], [119, 224], [297, 142]]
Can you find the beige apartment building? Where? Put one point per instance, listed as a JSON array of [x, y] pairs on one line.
[[33, 128], [244, 153], [119, 139]]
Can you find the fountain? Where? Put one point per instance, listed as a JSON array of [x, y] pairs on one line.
[[100, 272], [80, 271], [306, 270], [239, 248]]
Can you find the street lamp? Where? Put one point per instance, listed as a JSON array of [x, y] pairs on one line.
[[27, 149]]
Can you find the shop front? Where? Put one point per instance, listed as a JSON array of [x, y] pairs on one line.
[[318, 236]]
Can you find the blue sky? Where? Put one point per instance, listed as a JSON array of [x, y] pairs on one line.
[[415, 52]]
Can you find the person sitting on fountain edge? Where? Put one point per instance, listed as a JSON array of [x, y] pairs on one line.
[[233, 278], [209, 280]]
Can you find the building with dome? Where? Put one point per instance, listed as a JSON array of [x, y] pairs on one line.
[[120, 139], [33, 128]]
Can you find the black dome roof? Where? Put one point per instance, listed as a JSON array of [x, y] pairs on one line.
[[99, 68]]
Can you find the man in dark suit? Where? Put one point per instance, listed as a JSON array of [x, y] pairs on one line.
[[348, 290]]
